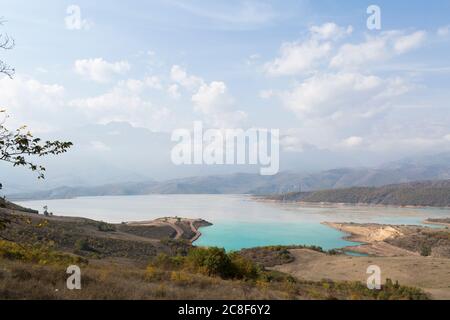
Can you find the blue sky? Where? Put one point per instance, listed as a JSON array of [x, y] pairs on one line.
[[310, 68]]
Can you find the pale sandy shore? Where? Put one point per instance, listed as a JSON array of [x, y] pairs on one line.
[[372, 237]]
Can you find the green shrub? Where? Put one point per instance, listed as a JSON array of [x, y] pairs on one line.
[[425, 250], [41, 255], [106, 227], [83, 245], [243, 268], [211, 261], [167, 262]]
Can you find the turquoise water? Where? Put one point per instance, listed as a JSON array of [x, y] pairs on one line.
[[235, 236], [239, 221]]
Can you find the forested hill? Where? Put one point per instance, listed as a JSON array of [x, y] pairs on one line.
[[428, 193]]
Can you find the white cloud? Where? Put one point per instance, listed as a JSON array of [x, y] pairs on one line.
[[330, 31], [352, 142], [180, 76], [351, 55], [133, 85], [210, 98], [443, 31], [447, 137], [173, 91], [325, 95], [339, 102], [30, 101], [137, 86], [377, 49], [153, 82], [45, 107], [213, 101], [122, 104], [303, 56], [100, 70], [409, 42], [298, 57]]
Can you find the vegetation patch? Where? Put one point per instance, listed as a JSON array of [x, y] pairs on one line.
[[41, 255], [272, 256]]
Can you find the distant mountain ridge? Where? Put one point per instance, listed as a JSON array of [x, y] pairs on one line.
[[436, 167], [427, 193]]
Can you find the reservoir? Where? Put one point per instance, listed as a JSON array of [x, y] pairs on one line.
[[239, 221]]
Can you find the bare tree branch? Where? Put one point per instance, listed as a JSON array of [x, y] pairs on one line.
[[6, 43]]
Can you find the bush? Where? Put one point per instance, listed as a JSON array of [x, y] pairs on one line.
[[243, 268], [83, 245], [106, 227], [211, 261], [41, 255], [181, 278], [167, 262], [154, 274], [425, 250]]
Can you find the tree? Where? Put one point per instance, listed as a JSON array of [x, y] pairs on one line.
[[19, 146]]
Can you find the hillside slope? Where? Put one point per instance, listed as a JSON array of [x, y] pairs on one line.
[[429, 193]]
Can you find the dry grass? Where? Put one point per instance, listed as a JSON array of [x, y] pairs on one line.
[[125, 280]]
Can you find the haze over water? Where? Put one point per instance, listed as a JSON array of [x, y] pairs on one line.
[[238, 221]]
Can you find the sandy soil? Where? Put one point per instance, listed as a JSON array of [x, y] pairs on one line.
[[434, 273], [373, 237]]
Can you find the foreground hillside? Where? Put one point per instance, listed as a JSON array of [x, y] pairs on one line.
[[150, 260], [432, 193]]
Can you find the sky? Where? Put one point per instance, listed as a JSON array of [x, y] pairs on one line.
[[312, 69]]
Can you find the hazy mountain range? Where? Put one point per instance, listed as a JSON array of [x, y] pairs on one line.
[[436, 167], [114, 153]]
